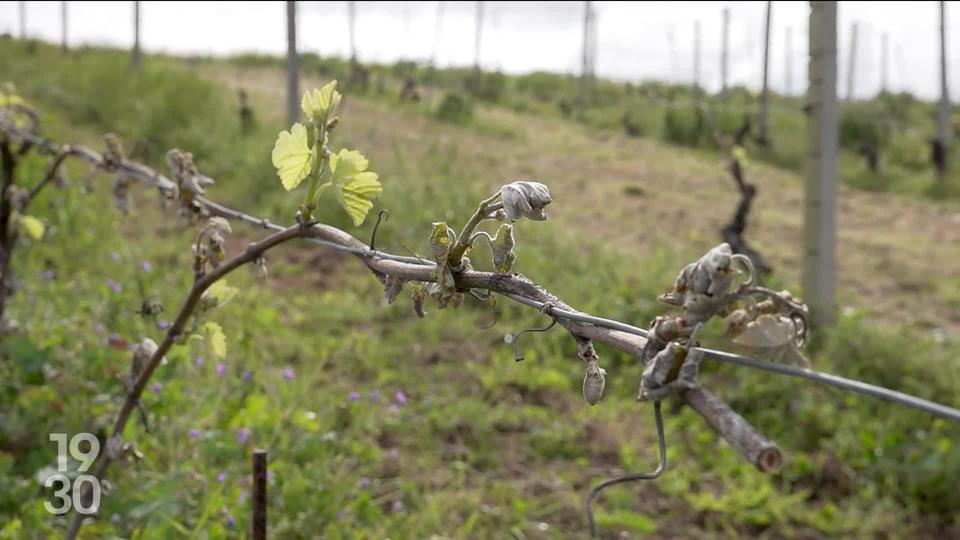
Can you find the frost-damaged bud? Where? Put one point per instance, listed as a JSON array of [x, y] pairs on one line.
[[218, 224], [122, 198], [260, 268], [392, 288], [215, 228], [118, 450], [442, 239], [142, 353], [657, 371], [217, 249], [188, 178], [419, 295], [502, 247], [114, 153], [711, 275], [525, 199], [594, 377]]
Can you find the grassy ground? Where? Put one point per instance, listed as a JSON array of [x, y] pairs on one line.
[[478, 446]]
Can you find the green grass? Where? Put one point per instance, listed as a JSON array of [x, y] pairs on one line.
[[484, 446]]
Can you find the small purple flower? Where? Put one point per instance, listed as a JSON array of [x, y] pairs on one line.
[[157, 387], [393, 453], [247, 376], [364, 483], [341, 514], [194, 433], [221, 368], [163, 324], [243, 434], [48, 275], [269, 476], [231, 523], [114, 286], [243, 497], [198, 361], [114, 256], [288, 373], [99, 328], [375, 395], [221, 476], [400, 397], [397, 506], [354, 396], [146, 266]]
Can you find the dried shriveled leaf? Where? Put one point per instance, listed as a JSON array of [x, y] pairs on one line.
[[392, 288], [525, 199]]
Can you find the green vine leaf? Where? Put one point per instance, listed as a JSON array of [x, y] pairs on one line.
[[356, 187], [320, 104], [292, 156], [31, 226], [216, 340], [442, 239], [217, 295]]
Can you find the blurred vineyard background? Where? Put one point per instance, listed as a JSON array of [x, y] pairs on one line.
[[380, 424]]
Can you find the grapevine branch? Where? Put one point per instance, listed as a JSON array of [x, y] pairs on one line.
[[251, 254], [585, 328], [619, 335]]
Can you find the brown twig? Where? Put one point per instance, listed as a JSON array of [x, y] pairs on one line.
[[249, 255], [258, 521], [51, 173]]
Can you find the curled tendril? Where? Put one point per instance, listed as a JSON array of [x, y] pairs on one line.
[[382, 215], [748, 266], [482, 298], [661, 466], [512, 338]]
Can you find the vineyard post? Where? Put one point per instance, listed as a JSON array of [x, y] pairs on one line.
[[819, 219], [696, 57], [63, 27], [436, 35], [724, 55], [788, 63], [293, 84], [943, 114], [135, 60], [762, 127], [884, 54], [22, 8], [478, 34], [352, 21], [585, 63], [852, 61]]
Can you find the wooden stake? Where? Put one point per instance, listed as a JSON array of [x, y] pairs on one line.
[[293, 70], [762, 121], [258, 522], [819, 218]]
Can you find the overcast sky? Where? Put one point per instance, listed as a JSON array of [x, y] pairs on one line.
[[637, 40]]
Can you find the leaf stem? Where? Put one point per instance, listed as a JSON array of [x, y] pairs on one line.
[[319, 163], [463, 241]]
